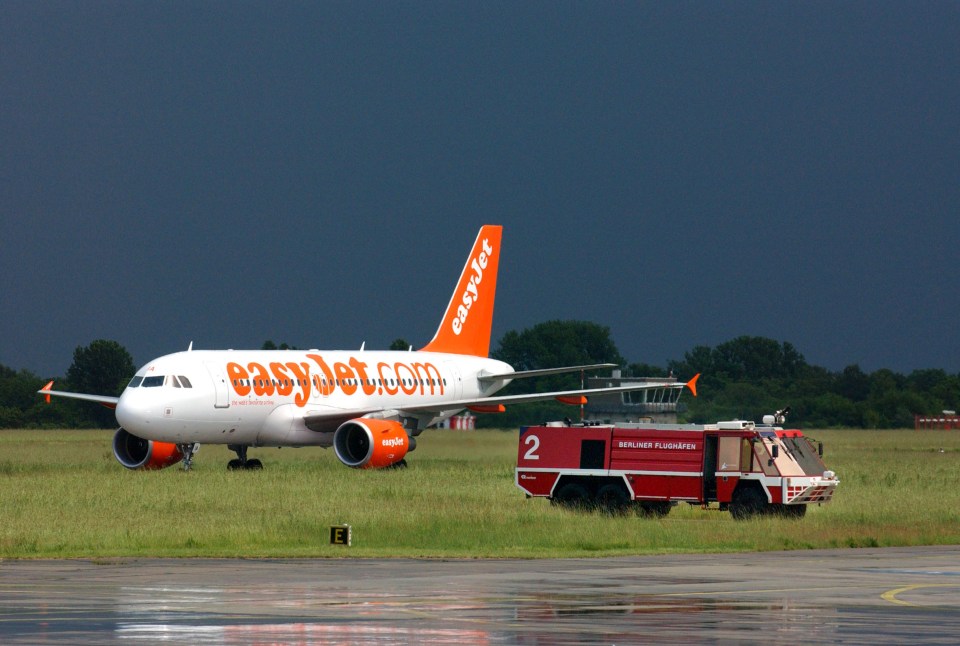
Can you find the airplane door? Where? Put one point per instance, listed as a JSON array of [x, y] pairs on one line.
[[220, 386], [456, 381]]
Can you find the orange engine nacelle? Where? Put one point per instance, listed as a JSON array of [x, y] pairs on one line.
[[137, 453], [371, 443]]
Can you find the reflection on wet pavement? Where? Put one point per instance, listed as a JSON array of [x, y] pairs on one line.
[[839, 596]]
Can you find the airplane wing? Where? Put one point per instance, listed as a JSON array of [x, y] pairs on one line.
[[327, 419], [109, 402], [545, 371], [575, 397]]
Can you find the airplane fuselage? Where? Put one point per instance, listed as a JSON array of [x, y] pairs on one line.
[[369, 406], [293, 397]]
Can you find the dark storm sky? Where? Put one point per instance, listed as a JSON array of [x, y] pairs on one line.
[[315, 173]]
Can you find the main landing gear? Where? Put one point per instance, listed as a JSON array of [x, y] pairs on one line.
[[241, 462]]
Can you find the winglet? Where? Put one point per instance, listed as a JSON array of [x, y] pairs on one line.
[[47, 388], [692, 384], [466, 325]]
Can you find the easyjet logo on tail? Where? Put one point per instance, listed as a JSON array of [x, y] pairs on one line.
[[471, 293], [465, 327]]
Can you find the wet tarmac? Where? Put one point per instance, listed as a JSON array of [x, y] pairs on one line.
[[864, 596]]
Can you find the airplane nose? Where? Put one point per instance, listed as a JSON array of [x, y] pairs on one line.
[[131, 413]]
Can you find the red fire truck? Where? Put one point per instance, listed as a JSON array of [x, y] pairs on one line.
[[748, 469]]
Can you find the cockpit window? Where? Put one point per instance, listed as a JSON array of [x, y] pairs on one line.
[[171, 381]]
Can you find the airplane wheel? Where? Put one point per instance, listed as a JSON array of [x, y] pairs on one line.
[[254, 465], [233, 465]]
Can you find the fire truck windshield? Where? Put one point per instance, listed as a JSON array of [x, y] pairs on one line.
[[807, 457], [795, 456]]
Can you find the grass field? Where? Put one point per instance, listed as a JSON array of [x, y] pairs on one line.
[[64, 495]]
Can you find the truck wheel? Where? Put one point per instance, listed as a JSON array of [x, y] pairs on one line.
[[613, 499], [654, 509], [747, 502], [572, 496]]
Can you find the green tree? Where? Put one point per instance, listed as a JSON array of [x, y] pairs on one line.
[[853, 384], [646, 370], [270, 345], [558, 343], [101, 368], [551, 344]]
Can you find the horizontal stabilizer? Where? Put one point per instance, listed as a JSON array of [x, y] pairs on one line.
[[533, 397], [545, 371]]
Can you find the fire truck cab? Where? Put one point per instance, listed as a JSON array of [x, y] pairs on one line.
[[746, 468]]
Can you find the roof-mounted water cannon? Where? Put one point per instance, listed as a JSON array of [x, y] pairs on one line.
[[777, 418]]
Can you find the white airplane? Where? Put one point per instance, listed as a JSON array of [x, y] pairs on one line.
[[368, 405]]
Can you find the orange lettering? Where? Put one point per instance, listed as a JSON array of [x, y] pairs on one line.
[[386, 379], [407, 385], [326, 385], [346, 377], [354, 376], [361, 368], [302, 372], [430, 376], [284, 385], [261, 380], [238, 376]]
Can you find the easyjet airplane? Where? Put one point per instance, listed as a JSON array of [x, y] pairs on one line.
[[368, 405]]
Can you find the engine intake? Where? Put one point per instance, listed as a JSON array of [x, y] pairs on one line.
[[371, 443], [137, 453]]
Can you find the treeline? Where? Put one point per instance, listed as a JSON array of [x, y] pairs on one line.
[[101, 368], [744, 378], [750, 376]]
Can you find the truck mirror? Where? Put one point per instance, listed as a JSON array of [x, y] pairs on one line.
[[776, 451], [820, 449]]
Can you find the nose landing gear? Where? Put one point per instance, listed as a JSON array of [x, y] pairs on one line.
[[187, 450]]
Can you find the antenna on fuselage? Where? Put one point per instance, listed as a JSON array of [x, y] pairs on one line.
[[362, 346], [190, 347]]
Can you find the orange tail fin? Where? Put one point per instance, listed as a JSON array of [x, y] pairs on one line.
[[466, 325]]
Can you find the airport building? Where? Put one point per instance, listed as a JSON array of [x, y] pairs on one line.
[[659, 405], [947, 420]]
